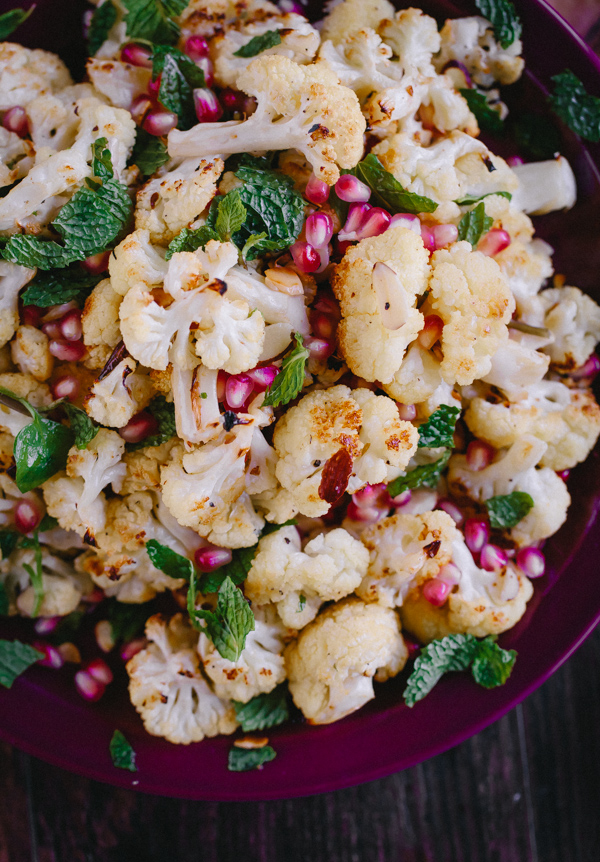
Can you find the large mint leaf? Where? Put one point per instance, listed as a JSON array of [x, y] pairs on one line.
[[290, 380], [504, 19], [230, 623], [579, 110], [387, 192], [15, 658]]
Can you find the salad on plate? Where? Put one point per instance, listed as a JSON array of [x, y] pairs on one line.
[[289, 389]]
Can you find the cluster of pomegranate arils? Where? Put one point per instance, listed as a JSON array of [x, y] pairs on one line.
[[149, 113]]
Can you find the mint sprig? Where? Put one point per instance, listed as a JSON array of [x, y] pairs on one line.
[[504, 19], [577, 108], [387, 192], [179, 76], [245, 759], [149, 152], [152, 20], [237, 570], [264, 710], [427, 475], [258, 44], [9, 21], [190, 240], [290, 380], [487, 118], [438, 430], [230, 623], [168, 561], [84, 429], [230, 215], [103, 19], [15, 658], [473, 199], [57, 286], [474, 224], [121, 752], [507, 510]]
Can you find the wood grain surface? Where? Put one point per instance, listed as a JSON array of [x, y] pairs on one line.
[[526, 789]]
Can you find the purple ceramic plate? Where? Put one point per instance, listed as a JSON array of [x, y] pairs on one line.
[[43, 714]]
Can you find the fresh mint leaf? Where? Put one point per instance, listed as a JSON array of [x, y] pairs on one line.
[[15, 658], [57, 286], [9, 540], [507, 510], [101, 160], [244, 759], [453, 652], [190, 240], [84, 428], [152, 20], [47, 523], [121, 752], [231, 215], [102, 20], [168, 561], [258, 44], [503, 18], [579, 110], [230, 623], [488, 119], [387, 192], [264, 710], [127, 621], [492, 665], [427, 475], [474, 224], [473, 199], [290, 380], [237, 570], [164, 413], [30, 251], [439, 428], [3, 601], [149, 153], [179, 76], [9, 21], [253, 239]]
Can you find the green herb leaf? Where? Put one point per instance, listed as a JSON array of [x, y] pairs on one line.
[[492, 665], [15, 658], [9, 540], [453, 652], [244, 759], [149, 152], [230, 623], [127, 621], [27, 250], [164, 413], [504, 19], [474, 224], [84, 428], [102, 20], [9, 21], [301, 604], [427, 475], [237, 570], [190, 240], [41, 450], [152, 20], [60, 285], [101, 160], [439, 428], [259, 44], [290, 380], [473, 199], [47, 523], [179, 76], [3, 601], [123, 755], [263, 711], [168, 561], [36, 573], [387, 191], [231, 215], [489, 120], [507, 510], [253, 239], [579, 110]]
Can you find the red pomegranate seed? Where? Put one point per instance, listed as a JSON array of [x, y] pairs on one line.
[[222, 378], [375, 223], [140, 108], [444, 234], [451, 509], [100, 671], [67, 351], [351, 189], [450, 573], [208, 108], [322, 324], [232, 100], [402, 499], [209, 559], [335, 476], [563, 474], [97, 263], [88, 687], [413, 646], [305, 256], [70, 326], [477, 532], [196, 47], [56, 312], [531, 561], [319, 348], [154, 87], [327, 304], [323, 259], [15, 120], [139, 427], [479, 455], [492, 558], [364, 514], [513, 161], [237, 390], [590, 368], [436, 591], [427, 237], [406, 220], [357, 214], [319, 229], [493, 242], [46, 625], [316, 191], [132, 648], [31, 315], [205, 64], [432, 331], [408, 412], [93, 598], [370, 496], [52, 657], [52, 329], [159, 122], [66, 387], [27, 516], [263, 377], [343, 246], [136, 55]]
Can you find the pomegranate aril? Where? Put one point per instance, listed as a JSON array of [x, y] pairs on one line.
[[531, 561], [477, 532], [97, 263], [479, 455], [205, 64], [46, 625], [207, 106], [88, 687], [451, 509], [319, 348], [56, 312], [327, 304], [450, 573], [402, 499], [364, 514], [210, 559], [427, 237], [411, 222], [136, 55], [196, 47], [222, 378], [139, 427], [444, 234], [140, 108], [316, 191], [323, 259], [322, 324], [232, 100], [563, 474], [52, 657], [65, 387], [52, 329], [370, 495], [305, 256], [492, 558], [493, 242], [513, 161], [237, 390], [436, 591], [408, 412], [413, 646], [67, 351], [159, 123], [263, 377], [319, 229], [15, 120], [100, 671], [103, 632], [356, 216], [132, 648], [375, 223], [27, 516], [433, 327], [31, 315], [590, 368], [154, 86], [70, 326], [351, 189]]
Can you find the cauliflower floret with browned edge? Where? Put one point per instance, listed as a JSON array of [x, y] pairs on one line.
[[241, 528], [143, 467], [26, 74], [299, 107], [332, 664], [54, 119], [568, 420], [167, 687], [230, 335], [418, 377], [377, 284], [516, 367], [299, 42], [25, 386], [471, 41], [573, 319], [405, 550], [100, 324], [97, 120], [12, 279], [116, 397], [260, 666], [119, 82], [483, 603], [135, 262], [352, 15], [330, 567], [15, 157], [30, 352], [210, 17], [174, 199]]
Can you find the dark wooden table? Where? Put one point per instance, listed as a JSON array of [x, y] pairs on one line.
[[526, 789]]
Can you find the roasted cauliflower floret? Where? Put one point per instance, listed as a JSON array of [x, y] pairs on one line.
[[377, 284], [117, 396], [62, 587], [119, 82], [174, 199], [100, 323], [25, 386], [573, 319], [259, 668], [168, 690], [31, 354], [12, 279], [330, 567], [471, 41], [351, 15], [299, 107], [545, 186], [143, 467], [332, 664], [405, 550], [26, 74], [136, 263], [231, 335]]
